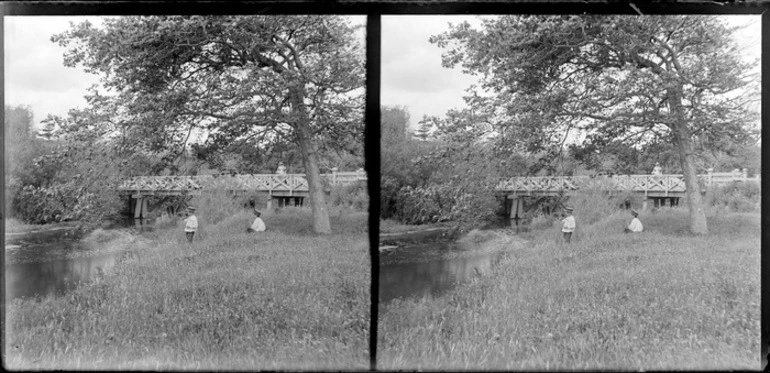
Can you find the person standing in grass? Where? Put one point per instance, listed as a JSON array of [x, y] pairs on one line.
[[568, 225], [191, 224], [258, 225], [636, 224]]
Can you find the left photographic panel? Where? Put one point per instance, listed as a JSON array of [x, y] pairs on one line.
[[186, 192]]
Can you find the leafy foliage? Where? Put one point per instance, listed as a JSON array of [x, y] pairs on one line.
[[616, 80], [736, 196], [442, 178], [234, 81], [354, 196]]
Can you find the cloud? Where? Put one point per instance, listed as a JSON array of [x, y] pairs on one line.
[[412, 75], [34, 70]]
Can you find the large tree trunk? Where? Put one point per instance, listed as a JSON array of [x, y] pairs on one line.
[[310, 160], [681, 135]]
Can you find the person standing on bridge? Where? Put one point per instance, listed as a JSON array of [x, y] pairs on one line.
[[636, 224], [281, 169], [568, 225], [191, 224], [258, 225], [657, 170]]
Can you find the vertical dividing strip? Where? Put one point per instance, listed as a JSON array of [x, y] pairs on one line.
[[372, 152]]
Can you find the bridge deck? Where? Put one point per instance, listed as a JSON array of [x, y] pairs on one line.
[[650, 185]]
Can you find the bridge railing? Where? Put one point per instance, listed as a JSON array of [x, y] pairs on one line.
[[263, 182], [637, 183], [345, 177]]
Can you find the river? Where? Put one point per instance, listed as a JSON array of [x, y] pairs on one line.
[[432, 268], [51, 263]]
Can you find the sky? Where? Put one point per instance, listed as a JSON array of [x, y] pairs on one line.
[[35, 74], [412, 75]]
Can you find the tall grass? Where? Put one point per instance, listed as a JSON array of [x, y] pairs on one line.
[[593, 202], [736, 196], [656, 300], [353, 196], [281, 299]]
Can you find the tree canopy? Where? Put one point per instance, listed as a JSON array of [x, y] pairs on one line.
[[232, 80], [616, 79]]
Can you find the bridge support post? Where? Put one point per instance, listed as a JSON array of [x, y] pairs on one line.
[[644, 204], [141, 207], [517, 209], [138, 207], [145, 207]]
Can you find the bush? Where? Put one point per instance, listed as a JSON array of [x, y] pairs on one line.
[[41, 205], [592, 202], [736, 196], [214, 206], [444, 202], [353, 195], [65, 202]]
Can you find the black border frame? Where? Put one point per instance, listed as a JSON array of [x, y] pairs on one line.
[[374, 10]]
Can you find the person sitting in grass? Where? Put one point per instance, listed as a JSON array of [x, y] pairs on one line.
[[258, 225], [569, 225], [636, 225], [191, 224]]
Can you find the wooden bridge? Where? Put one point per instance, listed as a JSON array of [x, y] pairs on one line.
[[661, 190], [284, 188]]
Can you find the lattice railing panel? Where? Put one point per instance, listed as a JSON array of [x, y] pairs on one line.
[[261, 182], [636, 183]]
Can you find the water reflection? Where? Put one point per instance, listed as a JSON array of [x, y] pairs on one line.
[[432, 278], [53, 277], [40, 263]]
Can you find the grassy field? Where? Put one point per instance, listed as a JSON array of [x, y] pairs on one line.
[[282, 299], [662, 299]]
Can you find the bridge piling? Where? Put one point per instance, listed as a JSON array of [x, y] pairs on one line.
[[516, 210], [140, 205]]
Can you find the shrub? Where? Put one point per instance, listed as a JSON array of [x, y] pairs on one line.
[[592, 202], [735, 196], [38, 205], [444, 202], [353, 195], [214, 206]]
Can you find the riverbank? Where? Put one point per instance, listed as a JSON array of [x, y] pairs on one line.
[[658, 300], [63, 241], [15, 226], [16, 231], [282, 299], [393, 235], [438, 248]]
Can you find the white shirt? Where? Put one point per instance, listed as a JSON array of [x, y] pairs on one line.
[[192, 224], [569, 224], [635, 226], [258, 225]]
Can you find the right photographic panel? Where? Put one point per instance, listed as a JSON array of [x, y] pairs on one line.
[[570, 192]]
